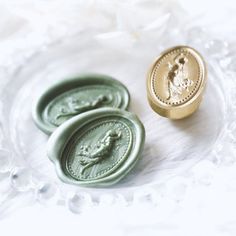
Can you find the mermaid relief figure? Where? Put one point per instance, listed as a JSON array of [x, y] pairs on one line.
[[177, 78], [89, 156], [75, 107]]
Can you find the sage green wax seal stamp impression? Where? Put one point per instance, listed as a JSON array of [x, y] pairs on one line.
[[71, 97], [97, 148]]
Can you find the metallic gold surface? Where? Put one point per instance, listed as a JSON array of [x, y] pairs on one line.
[[176, 82]]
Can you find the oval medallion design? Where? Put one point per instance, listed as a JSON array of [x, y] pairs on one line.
[[99, 150]]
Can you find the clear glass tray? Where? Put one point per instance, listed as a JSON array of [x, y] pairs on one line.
[[171, 148]]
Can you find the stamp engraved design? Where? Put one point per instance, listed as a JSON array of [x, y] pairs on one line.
[[97, 151], [176, 82], [177, 78]]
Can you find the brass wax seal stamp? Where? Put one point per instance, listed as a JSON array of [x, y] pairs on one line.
[[176, 82]]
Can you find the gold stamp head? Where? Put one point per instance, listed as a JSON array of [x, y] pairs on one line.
[[176, 82]]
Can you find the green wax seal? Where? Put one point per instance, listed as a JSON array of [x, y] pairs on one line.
[[74, 96], [96, 148]]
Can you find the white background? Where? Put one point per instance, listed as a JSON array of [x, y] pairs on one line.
[[40, 220]]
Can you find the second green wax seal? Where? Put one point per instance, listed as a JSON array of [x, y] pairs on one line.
[[97, 148], [74, 96]]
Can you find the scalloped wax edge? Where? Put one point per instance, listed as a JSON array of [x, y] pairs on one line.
[[58, 140]]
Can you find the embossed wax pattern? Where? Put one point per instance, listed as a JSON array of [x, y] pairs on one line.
[[176, 82], [72, 97], [97, 148]]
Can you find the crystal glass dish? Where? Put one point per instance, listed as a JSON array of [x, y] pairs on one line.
[[171, 148]]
